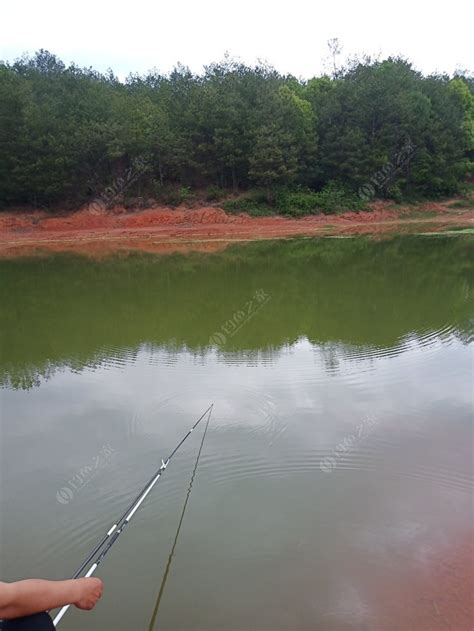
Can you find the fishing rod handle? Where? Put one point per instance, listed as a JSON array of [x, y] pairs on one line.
[[63, 610]]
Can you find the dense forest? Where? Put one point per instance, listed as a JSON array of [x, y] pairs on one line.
[[69, 135]]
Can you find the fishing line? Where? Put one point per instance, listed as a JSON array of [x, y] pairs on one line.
[[170, 558], [111, 536]]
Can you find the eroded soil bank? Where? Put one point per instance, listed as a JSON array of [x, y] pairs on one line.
[[160, 229]]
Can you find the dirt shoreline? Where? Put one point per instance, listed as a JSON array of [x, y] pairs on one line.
[[160, 229]]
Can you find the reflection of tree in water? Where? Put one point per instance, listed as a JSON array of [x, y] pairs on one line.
[[466, 336], [329, 356], [27, 377], [350, 296]]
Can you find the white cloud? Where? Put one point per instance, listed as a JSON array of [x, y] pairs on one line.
[[291, 35]]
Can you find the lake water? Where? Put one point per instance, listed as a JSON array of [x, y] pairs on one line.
[[334, 489]]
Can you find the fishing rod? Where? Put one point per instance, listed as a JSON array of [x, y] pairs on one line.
[[102, 548]]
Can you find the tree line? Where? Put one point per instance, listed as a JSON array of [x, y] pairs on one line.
[[69, 135]]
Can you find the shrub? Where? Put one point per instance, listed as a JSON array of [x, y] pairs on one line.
[[297, 203], [173, 196], [254, 203], [333, 198], [214, 194]]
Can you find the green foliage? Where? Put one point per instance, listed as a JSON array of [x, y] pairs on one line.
[[173, 196], [330, 200], [185, 194], [467, 200], [462, 203], [463, 95], [333, 198], [297, 203], [215, 193], [68, 135], [254, 203]]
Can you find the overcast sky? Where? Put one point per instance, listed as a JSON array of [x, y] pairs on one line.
[[291, 35]]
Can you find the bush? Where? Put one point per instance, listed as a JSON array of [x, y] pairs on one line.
[[333, 198], [172, 196], [185, 194], [214, 194], [395, 193], [297, 203], [254, 203]]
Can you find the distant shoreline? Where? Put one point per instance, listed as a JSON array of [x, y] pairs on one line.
[[161, 229]]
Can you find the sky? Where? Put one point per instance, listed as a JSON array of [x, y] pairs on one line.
[[292, 36]]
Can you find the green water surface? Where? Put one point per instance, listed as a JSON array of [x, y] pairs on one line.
[[338, 459]]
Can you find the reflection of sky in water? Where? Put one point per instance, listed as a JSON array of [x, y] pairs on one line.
[[264, 519]]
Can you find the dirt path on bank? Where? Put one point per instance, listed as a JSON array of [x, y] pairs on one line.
[[99, 233]]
